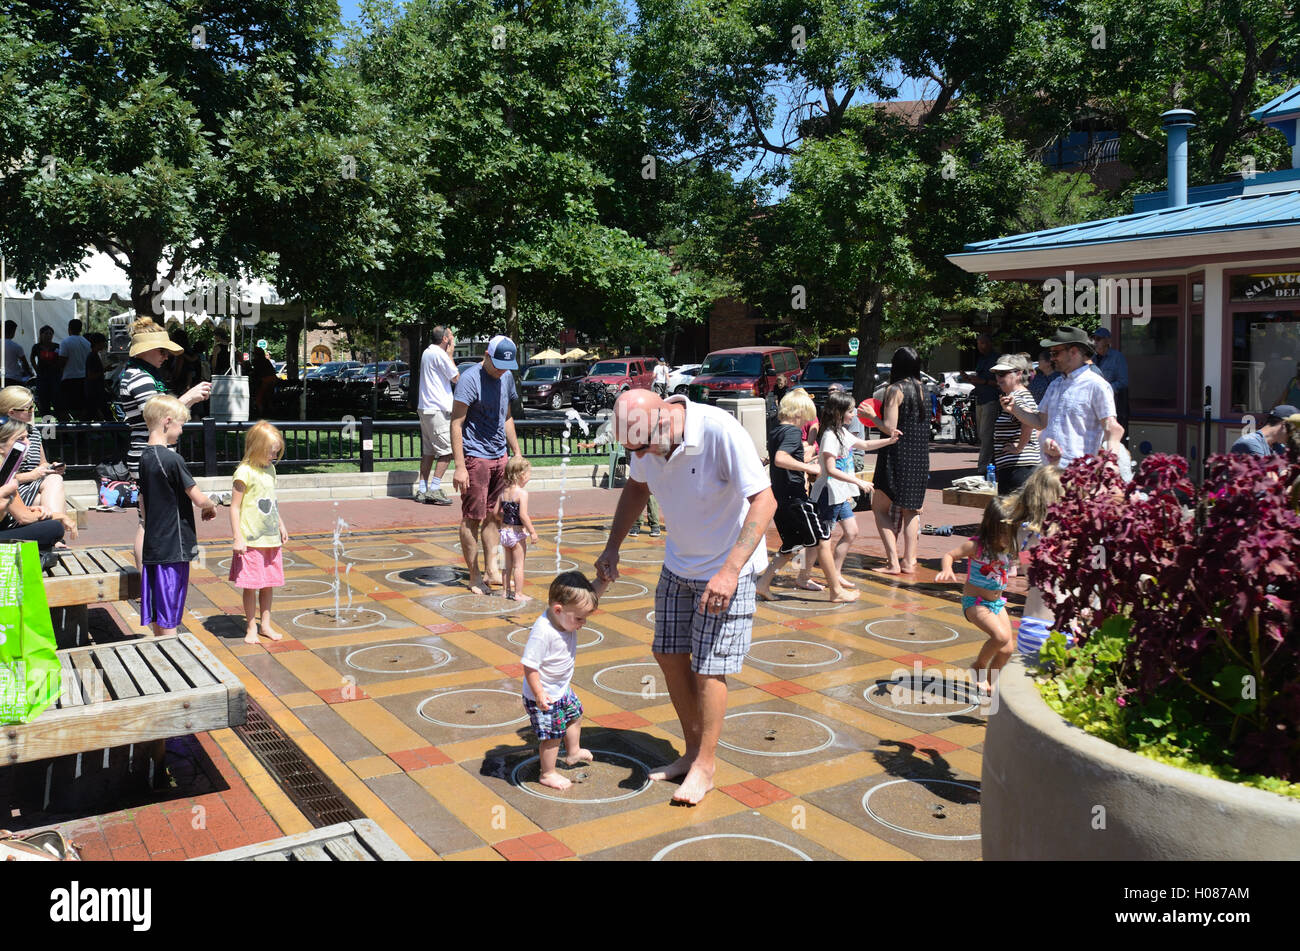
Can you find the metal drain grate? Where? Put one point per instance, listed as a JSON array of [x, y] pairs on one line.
[[310, 790]]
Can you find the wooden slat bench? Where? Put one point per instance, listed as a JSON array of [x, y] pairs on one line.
[[974, 500], [360, 840], [129, 692], [86, 576]]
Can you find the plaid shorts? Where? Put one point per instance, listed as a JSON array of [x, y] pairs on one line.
[[717, 643], [551, 724]]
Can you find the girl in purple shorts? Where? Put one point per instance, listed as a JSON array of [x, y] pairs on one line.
[[516, 527], [257, 565]]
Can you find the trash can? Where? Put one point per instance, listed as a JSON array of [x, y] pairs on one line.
[[230, 398]]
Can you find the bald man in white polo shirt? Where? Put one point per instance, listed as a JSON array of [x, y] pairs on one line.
[[702, 466]]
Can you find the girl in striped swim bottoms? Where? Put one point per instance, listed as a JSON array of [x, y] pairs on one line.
[[1029, 511]]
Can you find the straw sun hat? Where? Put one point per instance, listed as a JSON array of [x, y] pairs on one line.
[[153, 340]]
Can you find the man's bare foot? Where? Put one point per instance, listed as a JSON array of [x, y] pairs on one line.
[[764, 594], [497, 580], [673, 770], [554, 780], [694, 788], [890, 570], [807, 584], [517, 596], [907, 568], [846, 595], [582, 756], [250, 636], [476, 584]]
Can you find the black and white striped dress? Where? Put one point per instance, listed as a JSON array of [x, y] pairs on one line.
[[28, 491]]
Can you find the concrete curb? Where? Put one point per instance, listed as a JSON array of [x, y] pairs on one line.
[[1051, 791]]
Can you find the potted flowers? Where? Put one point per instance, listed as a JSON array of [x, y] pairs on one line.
[[1173, 729]]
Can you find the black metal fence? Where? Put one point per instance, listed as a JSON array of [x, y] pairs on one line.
[[215, 448]]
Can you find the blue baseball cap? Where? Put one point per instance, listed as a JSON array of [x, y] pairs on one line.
[[502, 352], [1101, 333]]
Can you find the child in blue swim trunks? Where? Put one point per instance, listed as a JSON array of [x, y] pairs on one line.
[[990, 553], [549, 658]]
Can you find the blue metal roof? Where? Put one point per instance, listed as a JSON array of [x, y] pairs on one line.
[[1287, 104], [1238, 213]]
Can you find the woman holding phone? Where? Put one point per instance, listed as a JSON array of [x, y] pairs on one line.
[[19, 521], [40, 482]]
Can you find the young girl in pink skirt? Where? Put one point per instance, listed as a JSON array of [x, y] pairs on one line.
[[257, 566]]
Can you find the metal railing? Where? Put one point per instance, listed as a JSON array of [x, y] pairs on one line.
[[214, 448]]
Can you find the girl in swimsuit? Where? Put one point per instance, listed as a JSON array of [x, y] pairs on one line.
[[516, 527], [990, 553]]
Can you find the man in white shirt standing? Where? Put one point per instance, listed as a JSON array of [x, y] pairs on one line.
[[438, 376], [1077, 413], [661, 378], [704, 469]]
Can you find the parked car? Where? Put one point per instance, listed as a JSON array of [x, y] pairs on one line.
[[550, 384], [281, 369], [821, 372], [334, 369], [743, 371], [616, 375], [680, 378]]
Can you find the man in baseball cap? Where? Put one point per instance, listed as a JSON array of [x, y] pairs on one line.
[[481, 429], [1269, 439], [503, 353]]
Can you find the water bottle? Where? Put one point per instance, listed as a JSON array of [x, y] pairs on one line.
[[991, 475]]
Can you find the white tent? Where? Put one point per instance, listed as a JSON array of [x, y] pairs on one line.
[[100, 279]]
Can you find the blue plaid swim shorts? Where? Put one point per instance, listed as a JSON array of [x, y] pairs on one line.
[[551, 724], [717, 643]]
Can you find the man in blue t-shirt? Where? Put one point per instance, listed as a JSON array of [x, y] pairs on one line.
[[1269, 439], [481, 429]]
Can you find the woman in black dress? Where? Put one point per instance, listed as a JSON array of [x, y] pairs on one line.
[[903, 471]]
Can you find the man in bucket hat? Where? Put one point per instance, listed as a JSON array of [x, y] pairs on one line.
[[1077, 413], [481, 429]]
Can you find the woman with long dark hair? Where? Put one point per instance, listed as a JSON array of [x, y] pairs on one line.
[[904, 469]]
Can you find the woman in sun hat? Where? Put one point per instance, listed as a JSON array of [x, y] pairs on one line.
[[1015, 444], [151, 347]]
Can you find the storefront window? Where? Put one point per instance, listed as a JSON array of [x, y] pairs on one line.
[[1265, 354], [1151, 349]]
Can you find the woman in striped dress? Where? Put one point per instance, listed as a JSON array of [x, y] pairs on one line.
[[39, 483], [1015, 444]]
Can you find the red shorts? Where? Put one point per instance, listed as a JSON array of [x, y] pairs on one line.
[[487, 478]]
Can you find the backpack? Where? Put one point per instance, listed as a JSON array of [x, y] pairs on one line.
[[118, 493]]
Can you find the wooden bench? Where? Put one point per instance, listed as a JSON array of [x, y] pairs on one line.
[[86, 576], [360, 840], [129, 692]]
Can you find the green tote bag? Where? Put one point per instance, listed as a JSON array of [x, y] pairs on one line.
[[29, 666]]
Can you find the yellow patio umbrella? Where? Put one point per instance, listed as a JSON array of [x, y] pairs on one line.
[[547, 355], [577, 353]]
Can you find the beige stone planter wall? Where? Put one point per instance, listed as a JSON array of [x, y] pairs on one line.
[[1051, 791]]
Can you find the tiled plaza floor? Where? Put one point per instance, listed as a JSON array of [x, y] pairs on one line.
[[411, 707]]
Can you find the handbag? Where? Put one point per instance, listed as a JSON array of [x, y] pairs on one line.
[[29, 666]]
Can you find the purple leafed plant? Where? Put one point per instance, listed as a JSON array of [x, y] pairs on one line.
[[1209, 578]]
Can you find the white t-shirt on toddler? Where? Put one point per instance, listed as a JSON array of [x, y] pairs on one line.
[[552, 653]]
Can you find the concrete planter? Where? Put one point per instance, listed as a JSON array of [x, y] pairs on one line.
[[1051, 791]]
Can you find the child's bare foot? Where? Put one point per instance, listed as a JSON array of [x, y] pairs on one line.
[[680, 767], [852, 586], [844, 595], [272, 633], [520, 597], [893, 569], [250, 636], [582, 756], [554, 780]]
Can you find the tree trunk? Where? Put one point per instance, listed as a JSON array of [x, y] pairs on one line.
[[870, 320], [512, 306], [292, 341]]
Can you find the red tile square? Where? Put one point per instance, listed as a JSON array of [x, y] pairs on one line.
[[344, 694], [745, 796], [764, 788], [620, 721], [783, 688], [552, 853], [131, 853], [411, 760], [922, 659], [511, 670], [443, 628], [279, 647], [536, 840], [924, 741], [511, 848], [120, 834], [385, 595]]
